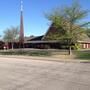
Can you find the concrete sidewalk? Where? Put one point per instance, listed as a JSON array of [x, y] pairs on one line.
[[46, 58]]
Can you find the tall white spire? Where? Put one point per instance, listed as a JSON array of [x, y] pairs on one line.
[[21, 5]]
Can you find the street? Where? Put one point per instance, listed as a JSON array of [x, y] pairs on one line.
[[27, 74]]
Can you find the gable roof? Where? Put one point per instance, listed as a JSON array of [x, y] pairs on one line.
[[51, 29], [37, 38]]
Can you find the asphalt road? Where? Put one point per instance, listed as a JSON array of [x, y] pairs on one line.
[[26, 74]]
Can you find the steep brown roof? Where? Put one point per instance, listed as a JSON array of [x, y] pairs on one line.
[[51, 31]]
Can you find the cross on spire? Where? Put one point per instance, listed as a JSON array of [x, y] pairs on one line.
[[21, 5]]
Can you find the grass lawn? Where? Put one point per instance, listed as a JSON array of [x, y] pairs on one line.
[[84, 54], [24, 52]]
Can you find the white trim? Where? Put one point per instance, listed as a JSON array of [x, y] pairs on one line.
[[87, 46], [21, 5], [84, 45]]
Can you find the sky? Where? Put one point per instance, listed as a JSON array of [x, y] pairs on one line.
[[35, 22]]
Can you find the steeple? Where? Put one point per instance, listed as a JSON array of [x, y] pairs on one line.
[[21, 38]]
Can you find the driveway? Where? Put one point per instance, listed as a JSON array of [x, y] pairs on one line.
[[27, 74]]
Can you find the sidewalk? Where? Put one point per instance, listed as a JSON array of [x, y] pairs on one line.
[[45, 58]]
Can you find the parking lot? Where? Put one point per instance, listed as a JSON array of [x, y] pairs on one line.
[[28, 74]]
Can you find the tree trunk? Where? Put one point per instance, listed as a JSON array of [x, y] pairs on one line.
[[70, 50], [12, 45]]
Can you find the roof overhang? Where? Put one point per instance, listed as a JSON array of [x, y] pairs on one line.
[[52, 41], [83, 41]]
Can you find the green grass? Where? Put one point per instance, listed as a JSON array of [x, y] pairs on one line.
[[23, 52], [84, 55]]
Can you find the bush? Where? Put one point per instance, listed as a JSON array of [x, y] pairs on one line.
[[76, 47]]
